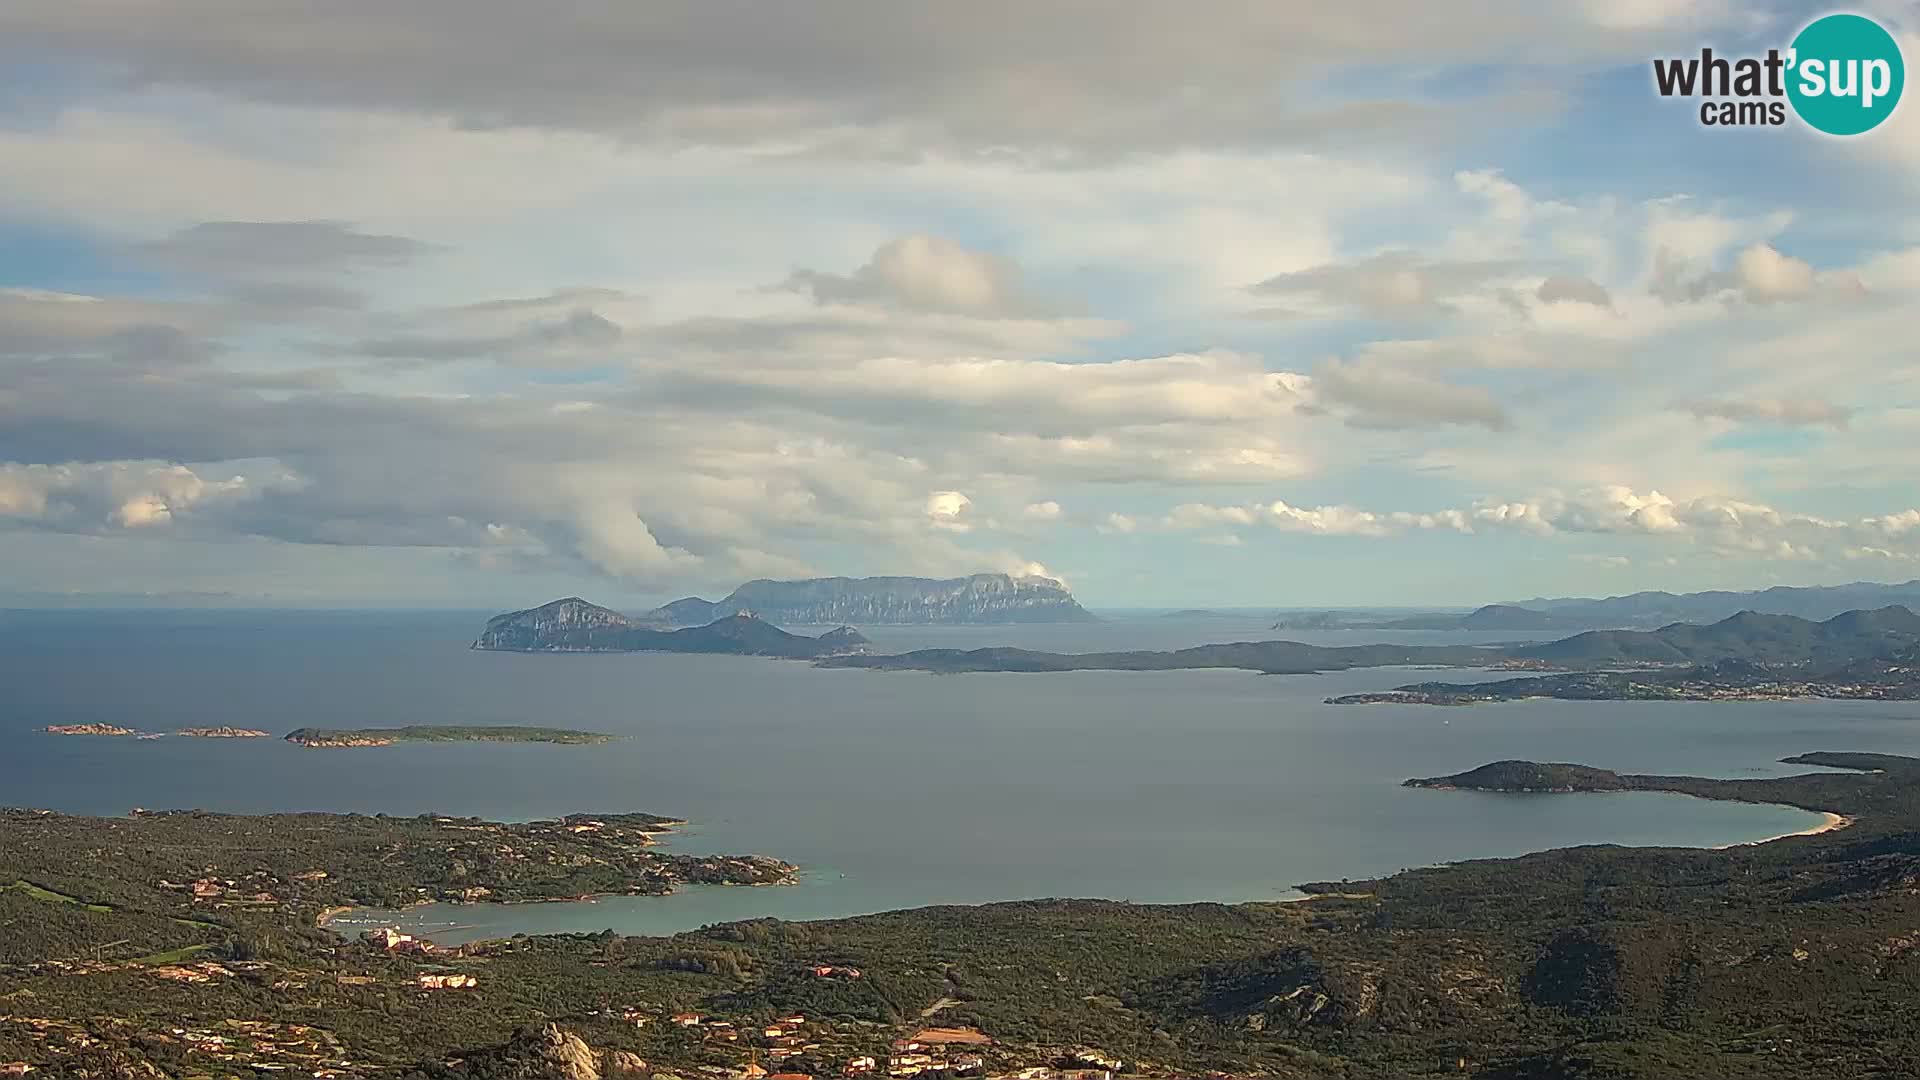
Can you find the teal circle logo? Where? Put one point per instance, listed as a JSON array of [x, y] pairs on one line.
[[1845, 74]]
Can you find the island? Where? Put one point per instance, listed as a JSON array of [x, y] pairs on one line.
[[335, 738], [199, 949], [875, 601], [91, 729], [576, 626], [224, 733]]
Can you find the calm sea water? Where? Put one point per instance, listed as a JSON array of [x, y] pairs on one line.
[[891, 789]]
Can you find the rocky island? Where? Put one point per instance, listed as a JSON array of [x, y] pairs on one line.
[[224, 733], [331, 738], [574, 625], [90, 729], [875, 601]]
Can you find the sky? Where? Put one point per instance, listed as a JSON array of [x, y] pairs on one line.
[[466, 303]]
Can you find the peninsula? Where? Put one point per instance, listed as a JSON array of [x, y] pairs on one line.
[[1266, 657], [1893, 676], [332, 738]]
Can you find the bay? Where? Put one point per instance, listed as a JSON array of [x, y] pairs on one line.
[[891, 789]]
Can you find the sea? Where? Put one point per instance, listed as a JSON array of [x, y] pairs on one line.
[[889, 789]]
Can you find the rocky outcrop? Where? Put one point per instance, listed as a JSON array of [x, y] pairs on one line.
[[90, 729], [547, 1053], [574, 625], [876, 601], [571, 617], [317, 739]]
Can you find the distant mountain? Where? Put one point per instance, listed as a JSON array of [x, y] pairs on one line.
[[574, 625], [1493, 617], [1639, 611], [1660, 608], [878, 601], [1748, 636]]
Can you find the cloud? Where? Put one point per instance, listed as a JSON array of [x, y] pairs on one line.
[[1318, 521], [1759, 274], [234, 248], [1786, 412], [1765, 276], [1390, 283], [618, 541], [42, 320], [88, 497], [947, 509], [922, 272], [875, 81], [580, 335], [1561, 289], [1042, 511], [1380, 396], [1718, 524]]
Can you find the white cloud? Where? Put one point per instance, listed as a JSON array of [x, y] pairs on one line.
[[946, 509], [1047, 510], [1321, 520], [1789, 412], [925, 273], [99, 496], [616, 540]]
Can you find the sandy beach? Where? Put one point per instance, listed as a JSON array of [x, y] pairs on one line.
[[1833, 821]]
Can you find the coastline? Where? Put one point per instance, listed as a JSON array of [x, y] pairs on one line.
[[1833, 823]]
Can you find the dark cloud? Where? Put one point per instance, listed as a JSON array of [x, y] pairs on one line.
[[291, 297], [871, 77], [1380, 396], [228, 248], [541, 342], [1579, 290]]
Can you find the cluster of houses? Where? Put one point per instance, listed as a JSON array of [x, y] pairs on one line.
[[390, 939], [205, 971], [259, 1045], [223, 892], [928, 1052]]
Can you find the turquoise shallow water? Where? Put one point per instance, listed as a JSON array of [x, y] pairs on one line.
[[890, 789]]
